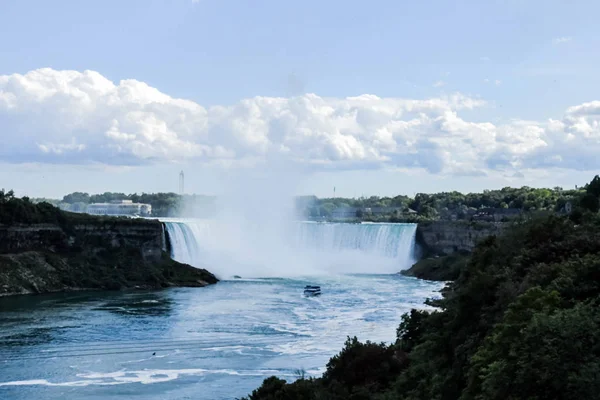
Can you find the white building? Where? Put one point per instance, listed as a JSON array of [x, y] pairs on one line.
[[120, 207]]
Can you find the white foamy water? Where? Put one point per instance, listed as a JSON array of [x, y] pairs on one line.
[[294, 249]]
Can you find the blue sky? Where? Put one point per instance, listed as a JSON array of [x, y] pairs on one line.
[[523, 61]]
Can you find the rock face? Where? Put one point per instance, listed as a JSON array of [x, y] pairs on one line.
[[18, 238], [102, 254], [446, 237], [445, 246]]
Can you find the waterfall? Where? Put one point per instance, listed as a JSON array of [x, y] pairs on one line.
[[394, 241], [299, 249]]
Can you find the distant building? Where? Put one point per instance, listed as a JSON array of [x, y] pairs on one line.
[[382, 210], [354, 212], [120, 207], [344, 212], [496, 214], [568, 207]]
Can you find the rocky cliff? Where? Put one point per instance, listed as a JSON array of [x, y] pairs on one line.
[[103, 253], [445, 245], [446, 237]]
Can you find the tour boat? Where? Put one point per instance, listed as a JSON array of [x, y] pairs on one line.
[[310, 290]]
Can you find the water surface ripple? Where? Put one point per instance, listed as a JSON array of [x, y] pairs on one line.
[[218, 342]]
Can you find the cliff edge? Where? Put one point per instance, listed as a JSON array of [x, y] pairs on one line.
[[447, 237], [445, 246], [98, 253]]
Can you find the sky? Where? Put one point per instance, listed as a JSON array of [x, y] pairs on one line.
[[370, 97]]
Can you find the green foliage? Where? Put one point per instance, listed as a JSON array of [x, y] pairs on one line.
[[556, 354], [448, 205], [368, 365], [521, 321], [593, 187], [274, 388], [16, 210], [590, 203], [327, 209], [524, 198], [77, 197], [444, 268], [54, 202], [356, 373], [410, 331]]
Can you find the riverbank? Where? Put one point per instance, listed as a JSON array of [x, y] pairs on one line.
[[83, 252], [519, 322], [35, 272]]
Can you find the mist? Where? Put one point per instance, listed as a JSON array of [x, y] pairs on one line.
[[253, 222], [255, 231]]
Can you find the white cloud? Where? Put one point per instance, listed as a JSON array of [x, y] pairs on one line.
[[70, 117], [561, 40], [439, 84], [485, 59]]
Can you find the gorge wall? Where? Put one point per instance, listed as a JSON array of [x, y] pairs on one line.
[[102, 253], [145, 235], [446, 237], [445, 246]]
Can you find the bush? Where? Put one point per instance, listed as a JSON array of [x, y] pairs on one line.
[[444, 268], [521, 321]]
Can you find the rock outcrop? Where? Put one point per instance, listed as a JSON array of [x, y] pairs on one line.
[[107, 253], [444, 246], [447, 237]]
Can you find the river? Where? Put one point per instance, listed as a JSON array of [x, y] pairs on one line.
[[217, 342]]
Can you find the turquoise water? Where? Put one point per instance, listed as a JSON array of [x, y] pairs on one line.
[[221, 341], [217, 342]]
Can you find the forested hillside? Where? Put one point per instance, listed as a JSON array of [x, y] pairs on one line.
[[520, 322], [428, 206], [438, 205]]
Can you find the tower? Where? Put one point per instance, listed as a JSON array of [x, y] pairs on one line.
[[181, 178]]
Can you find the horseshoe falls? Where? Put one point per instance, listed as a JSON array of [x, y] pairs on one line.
[[296, 249]]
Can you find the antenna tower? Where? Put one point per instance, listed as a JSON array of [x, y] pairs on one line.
[[181, 179]]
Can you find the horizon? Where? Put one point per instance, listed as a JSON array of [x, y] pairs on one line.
[[366, 196]]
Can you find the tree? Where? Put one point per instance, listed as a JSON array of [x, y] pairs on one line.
[[77, 197], [327, 209], [520, 322], [590, 202], [593, 187], [6, 196]]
